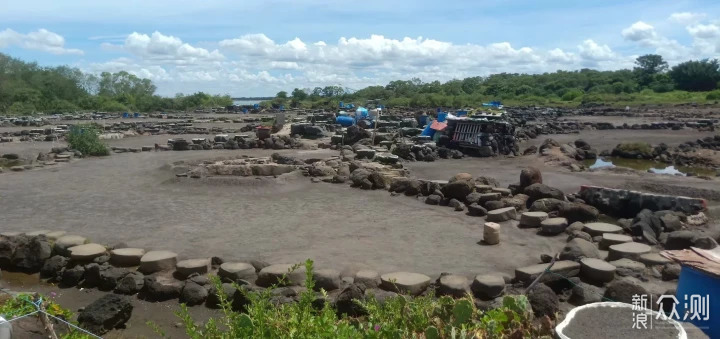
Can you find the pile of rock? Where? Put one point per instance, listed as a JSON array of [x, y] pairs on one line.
[[416, 152], [225, 142], [70, 260]]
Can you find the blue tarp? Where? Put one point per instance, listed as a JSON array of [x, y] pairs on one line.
[[442, 116]]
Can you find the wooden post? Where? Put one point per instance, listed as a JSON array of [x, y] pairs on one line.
[[44, 318]]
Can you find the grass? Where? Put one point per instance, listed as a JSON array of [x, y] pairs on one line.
[[397, 317]]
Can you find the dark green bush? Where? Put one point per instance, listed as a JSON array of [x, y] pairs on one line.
[[714, 95], [86, 139]]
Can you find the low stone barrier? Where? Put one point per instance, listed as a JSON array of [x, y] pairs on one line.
[[626, 203]]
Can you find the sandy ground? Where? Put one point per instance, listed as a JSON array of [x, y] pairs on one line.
[[135, 198], [608, 139], [130, 198]]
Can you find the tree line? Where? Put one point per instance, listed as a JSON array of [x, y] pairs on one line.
[[27, 88], [651, 79]]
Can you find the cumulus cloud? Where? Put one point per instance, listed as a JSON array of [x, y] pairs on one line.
[[256, 61], [152, 72], [701, 31], [168, 48], [686, 18], [40, 40], [355, 62], [559, 56], [640, 31], [592, 51], [706, 38]]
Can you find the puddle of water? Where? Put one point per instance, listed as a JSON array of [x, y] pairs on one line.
[[647, 166]]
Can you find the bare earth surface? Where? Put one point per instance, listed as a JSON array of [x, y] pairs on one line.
[[130, 198], [135, 198]]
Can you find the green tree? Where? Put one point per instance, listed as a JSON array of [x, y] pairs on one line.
[[701, 75], [281, 95], [647, 66], [299, 94]]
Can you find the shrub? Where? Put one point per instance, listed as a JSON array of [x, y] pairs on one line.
[[86, 139], [714, 95], [397, 317], [572, 94]]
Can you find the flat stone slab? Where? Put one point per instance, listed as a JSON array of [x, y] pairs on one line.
[[404, 282], [454, 285], [368, 278], [501, 214], [532, 219], [38, 232], [652, 259], [597, 270], [553, 226], [505, 192], [628, 264], [485, 197], [564, 268], [11, 234], [483, 188], [63, 243], [236, 271], [156, 261], [599, 228], [126, 256], [86, 252], [488, 286], [273, 274], [630, 250], [55, 235], [189, 266], [609, 239]]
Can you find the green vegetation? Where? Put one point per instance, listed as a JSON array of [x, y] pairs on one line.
[[85, 138], [641, 148], [397, 317], [650, 82], [22, 304], [26, 88]]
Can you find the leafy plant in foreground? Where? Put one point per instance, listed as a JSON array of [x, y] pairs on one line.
[[396, 317]]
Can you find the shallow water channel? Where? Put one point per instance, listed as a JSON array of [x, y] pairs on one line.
[[647, 166]]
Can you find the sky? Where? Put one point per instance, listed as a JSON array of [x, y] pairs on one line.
[[259, 47]]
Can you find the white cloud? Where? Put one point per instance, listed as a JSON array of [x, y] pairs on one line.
[[592, 51], [154, 73], [640, 31], [255, 62], [686, 18], [167, 48], [559, 56], [701, 31], [40, 40], [706, 38]]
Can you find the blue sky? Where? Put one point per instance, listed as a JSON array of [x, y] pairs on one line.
[[260, 47]]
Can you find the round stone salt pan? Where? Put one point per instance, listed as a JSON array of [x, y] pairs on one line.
[[613, 320]]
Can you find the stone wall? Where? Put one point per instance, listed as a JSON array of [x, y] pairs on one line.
[[626, 203]]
